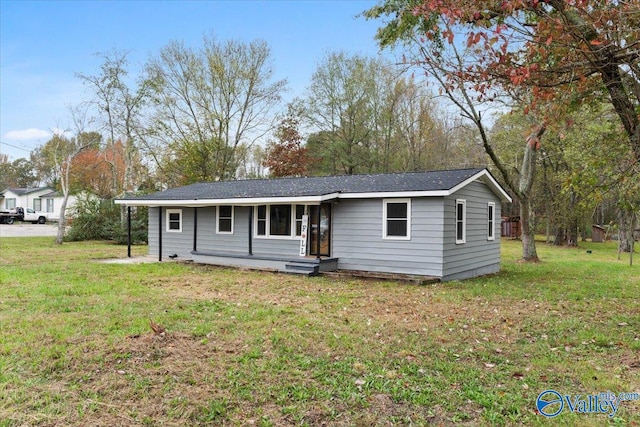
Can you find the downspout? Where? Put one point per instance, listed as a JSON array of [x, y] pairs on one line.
[[160, 233]]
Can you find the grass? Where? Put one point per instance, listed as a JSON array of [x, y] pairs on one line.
[[251, 348]]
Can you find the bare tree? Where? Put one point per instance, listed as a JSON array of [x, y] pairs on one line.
[[210, 102]]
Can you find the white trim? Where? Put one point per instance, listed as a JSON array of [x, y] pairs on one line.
[[167, 222], [250, 201], [218, 219], [267, 229], [462, 202], [385, 202], [491, 221]]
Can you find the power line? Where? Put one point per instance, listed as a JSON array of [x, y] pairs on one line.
[[14, 146]]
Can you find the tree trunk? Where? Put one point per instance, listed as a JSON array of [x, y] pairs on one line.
[[525, 185], [626, 237], [62, 221], [560, 236], [528, 222]]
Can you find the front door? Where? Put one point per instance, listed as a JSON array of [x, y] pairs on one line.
[[320, 230]]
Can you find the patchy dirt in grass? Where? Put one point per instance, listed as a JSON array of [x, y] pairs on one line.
[[247, 348]]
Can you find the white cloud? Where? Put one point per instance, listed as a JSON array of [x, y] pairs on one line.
[[27, 134]]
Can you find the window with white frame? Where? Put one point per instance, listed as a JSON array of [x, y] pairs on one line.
[[491, 220], [225, 220], [49, 205], [37, 205], [461, 221], [299, 209], [278, 221], [10, 203], [261, 220], [174, 220], [396, 222]]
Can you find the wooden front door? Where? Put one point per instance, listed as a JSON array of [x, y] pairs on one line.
[[320, 230]]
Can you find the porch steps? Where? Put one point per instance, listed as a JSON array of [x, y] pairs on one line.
[[306, 268]]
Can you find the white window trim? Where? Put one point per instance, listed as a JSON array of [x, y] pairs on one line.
[[167, 214], [294, 208], [384, 219], [464, 221], [491, 221], [268, 235], [233, 210]]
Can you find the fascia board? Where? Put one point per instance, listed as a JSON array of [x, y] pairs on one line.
[[235, 201]]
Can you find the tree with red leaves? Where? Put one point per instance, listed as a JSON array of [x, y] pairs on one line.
[[286, 156], [545, 56]]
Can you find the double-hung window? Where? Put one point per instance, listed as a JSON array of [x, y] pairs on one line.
[[461, 221], [174, 220], [491, 220], [225, 220], [396, 222], [299, 214]]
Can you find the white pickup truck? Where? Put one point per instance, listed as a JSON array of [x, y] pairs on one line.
[[22, 214]]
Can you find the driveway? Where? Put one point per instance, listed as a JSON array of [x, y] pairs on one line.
[[20, 229]]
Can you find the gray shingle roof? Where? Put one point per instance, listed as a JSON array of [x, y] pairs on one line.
[[316, 186]]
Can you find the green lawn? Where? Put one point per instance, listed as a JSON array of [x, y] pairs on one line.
[[251, 348]]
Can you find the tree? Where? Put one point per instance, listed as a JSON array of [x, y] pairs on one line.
[[209, 102], [286, 156], [340, 106], [537, 53], [119, 112], [19, 173], [562, 52]]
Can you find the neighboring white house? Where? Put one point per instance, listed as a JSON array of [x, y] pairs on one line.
[[40, 199]]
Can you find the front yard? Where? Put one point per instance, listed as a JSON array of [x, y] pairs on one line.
[[251, 348]]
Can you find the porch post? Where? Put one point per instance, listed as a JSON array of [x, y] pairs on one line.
[[250, 230], [195, 229], [159, 233], [129, 231]]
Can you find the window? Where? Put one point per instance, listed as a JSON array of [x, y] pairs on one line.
[[225, 220], [10, 203], [37, 205], [280, 220], [261, 219], [174, 220], [491, 220], [49, 205], [396, 219], [461, 221], [276, 220], [299, 214]]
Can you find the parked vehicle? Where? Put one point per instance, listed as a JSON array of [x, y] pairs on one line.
[[22, 214]]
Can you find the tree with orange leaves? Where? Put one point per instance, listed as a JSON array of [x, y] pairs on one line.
[[547, 56], [286, 156]]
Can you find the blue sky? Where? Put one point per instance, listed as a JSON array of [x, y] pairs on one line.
[[43, 44]]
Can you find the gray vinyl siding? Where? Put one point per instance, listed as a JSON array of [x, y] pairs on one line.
[[477, 255], [358, 243], [181, 243]]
